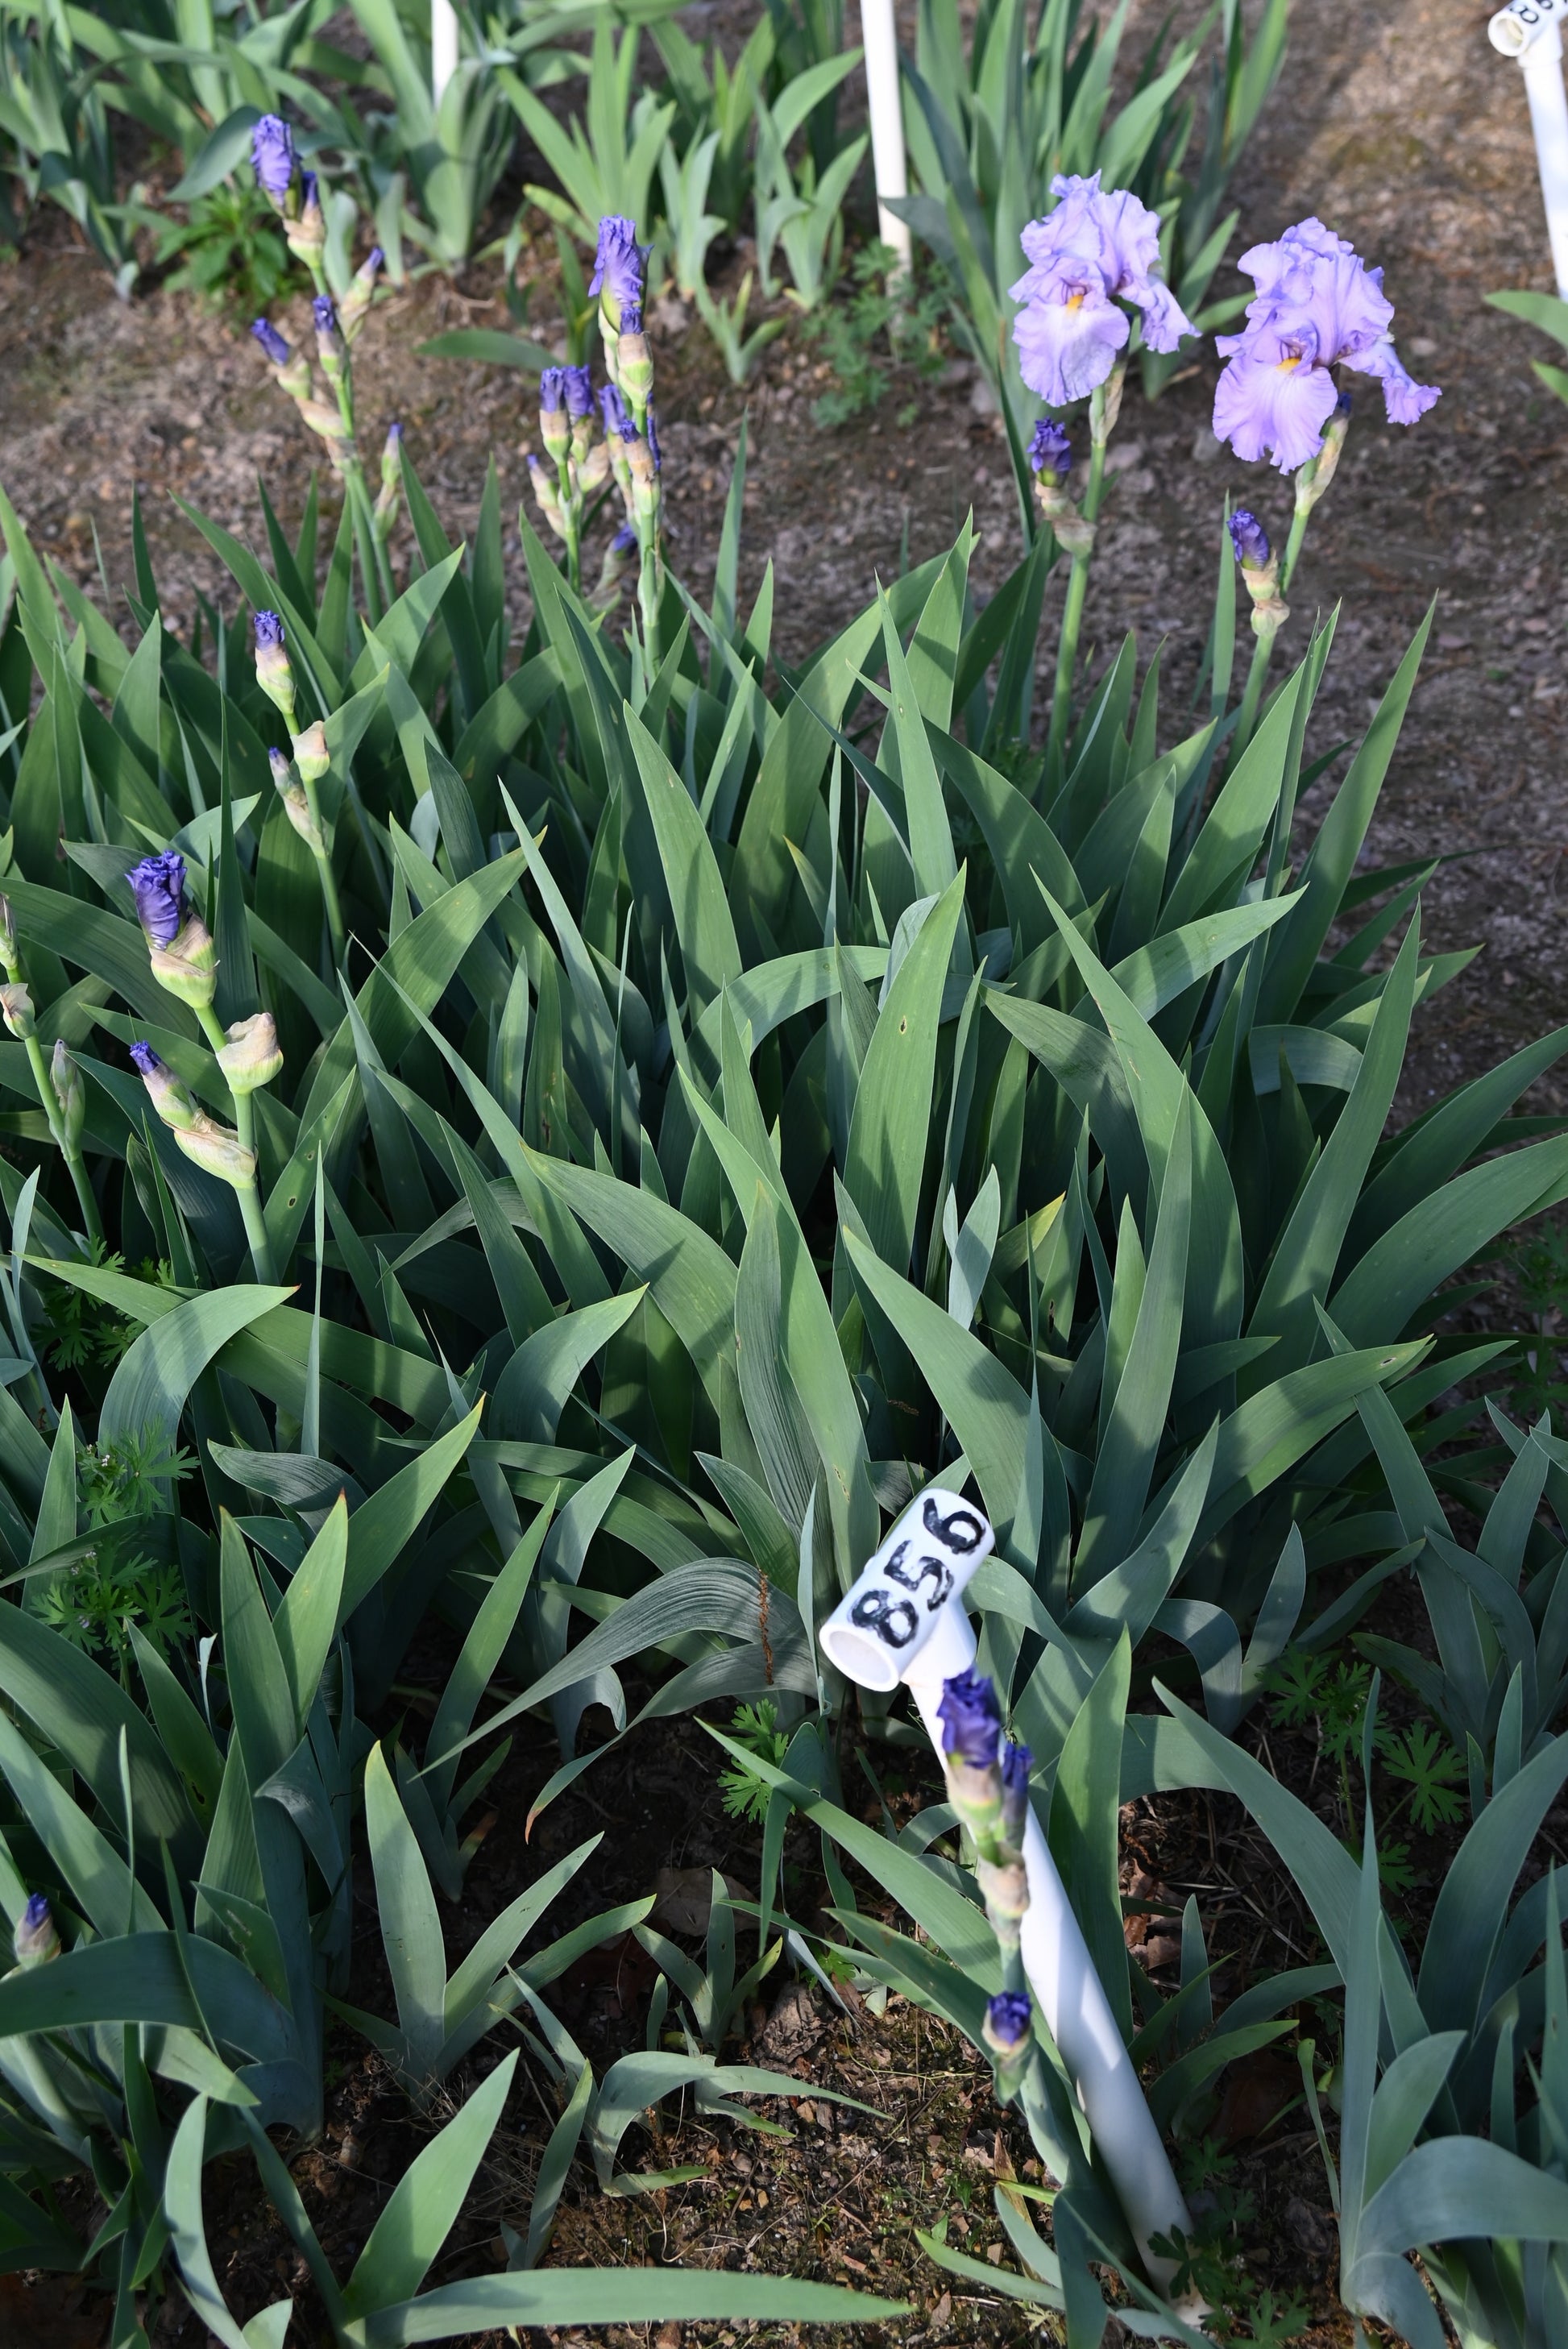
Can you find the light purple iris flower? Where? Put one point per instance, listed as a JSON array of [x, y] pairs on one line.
[[1097, 249], [1317, 307]]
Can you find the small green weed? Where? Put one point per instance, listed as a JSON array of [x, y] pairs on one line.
[[872, 331], [1211, 2261], [229, 254], [1329, 1694], [755, 1727]]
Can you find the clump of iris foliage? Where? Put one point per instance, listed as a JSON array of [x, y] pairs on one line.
[[601, 1118]]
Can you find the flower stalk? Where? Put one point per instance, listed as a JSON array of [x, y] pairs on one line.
[[58, 1081], [298, 775], [185, 963], [989, 1786]]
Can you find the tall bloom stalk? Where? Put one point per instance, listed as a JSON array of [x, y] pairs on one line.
[[989, 1787], [1093, 262], [1318, 308], [58, 1081], [295, 196], [299, 774], [620, 281], [185, 963]]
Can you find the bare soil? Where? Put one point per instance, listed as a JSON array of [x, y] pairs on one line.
[[1402, 130]]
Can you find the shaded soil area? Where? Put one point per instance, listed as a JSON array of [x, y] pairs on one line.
[[1401, 129]]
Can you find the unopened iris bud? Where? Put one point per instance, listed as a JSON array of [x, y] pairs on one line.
[[179, 944], [1249, 540], [273, 161], [619, 266], [1017, 1761], [70, 1094], [328, 424], [16, 1010], [545, 496], [312, 756], [1009, 2019], [35, 1940], [1312, 480], [355, 306], [251, 1057], [617, 559], [971, 1733], [328, 341], [292, 366], [1260, 573], [274, 674], [306, 236], [296, 806], [170, 1098], [634, 367], [617, 415], [555, 424], [9, 957], [1050, 451], [217, 1151], [391, 478]]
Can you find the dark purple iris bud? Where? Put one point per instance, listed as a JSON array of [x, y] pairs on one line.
[[618, 422], [1050, 451], [578, 383], [1250, 539], [269, 629], [971, 1719], [271, 341], [1016, 1763], [1008, 2017], [654, 442], [618, 266], [631, 317], [36, 1941], [624, 540], [146, 1060], [272, 156], [1343, 404], [552, 392], [325, 314], [158, 885], [309, 191]]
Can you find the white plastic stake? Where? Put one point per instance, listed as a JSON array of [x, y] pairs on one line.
[[1531, 31], [880, 36], [904, 1621], [443, 47]]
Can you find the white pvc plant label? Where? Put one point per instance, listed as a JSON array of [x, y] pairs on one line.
[[879, 1628]]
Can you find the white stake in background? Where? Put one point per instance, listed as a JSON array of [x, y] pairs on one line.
[[904, 1621], [881, 39], [1530, 30], [443, 47]]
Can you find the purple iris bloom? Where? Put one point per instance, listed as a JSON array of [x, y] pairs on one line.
[[271, 341], [617, 415], [1008, 2016], [158, 885], [273, 155], [971, 1719], [1095, 250], [578, 383], [618, 262], [269, 630], [1317, 307], [1249, 538], [1050, 451], [552, 392]]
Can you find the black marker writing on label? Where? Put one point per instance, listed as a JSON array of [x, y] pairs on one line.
[[962, 1530], [900, 1569], [894, 1620]]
